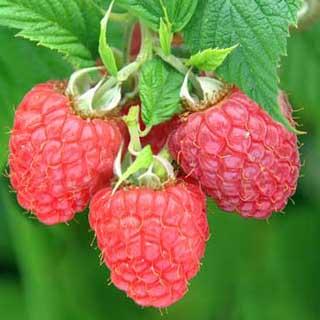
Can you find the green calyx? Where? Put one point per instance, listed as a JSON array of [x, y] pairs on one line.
[[96, 94], [143, 161], [93, 94], [212, 90]]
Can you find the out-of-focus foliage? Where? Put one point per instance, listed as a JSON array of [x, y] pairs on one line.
[[300, 77], [252, 269], [301, 74]]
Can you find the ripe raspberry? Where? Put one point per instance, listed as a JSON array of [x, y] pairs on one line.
[[158, 136], [57, 159], [244, 160], [151, 240]]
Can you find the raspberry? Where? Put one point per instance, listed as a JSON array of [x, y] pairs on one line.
[[57, 159], [244, 160], [151, 240]]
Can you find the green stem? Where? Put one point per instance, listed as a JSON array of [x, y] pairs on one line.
[[144, 54], [132, 122], [128, 39], [176, 63], [181, 52], [146, 44], [120, 17], [148, 169], [120, 59], [146, 131], [130, 69]]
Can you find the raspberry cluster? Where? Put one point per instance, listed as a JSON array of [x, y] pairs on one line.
[[151, 238]]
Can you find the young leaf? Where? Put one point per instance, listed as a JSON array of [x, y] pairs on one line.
[[68, 26], [260, 27], [180, 12], [165, 31], [159, 87], [209, 59], [105, 51], [150, 11], [166, 36]]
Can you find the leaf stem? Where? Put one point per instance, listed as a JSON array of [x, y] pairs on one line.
[[144, 54], [132, 122], [128, 40], [146, 44], [177, 64]]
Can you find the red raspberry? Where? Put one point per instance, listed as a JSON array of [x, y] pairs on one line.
[[151, 240], [58, 160], [244, 160]]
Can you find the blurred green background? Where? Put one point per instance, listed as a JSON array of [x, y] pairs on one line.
[[252, 269]]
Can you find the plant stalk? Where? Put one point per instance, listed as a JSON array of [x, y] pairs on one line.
[[176, 63]]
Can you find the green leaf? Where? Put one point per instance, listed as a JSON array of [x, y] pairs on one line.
[[180, 12], [22, 65], [105, 50], [159, 87], [165, 31], [209, 59], [260, 27], [166, 36], [150, 11], [68, 26]]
